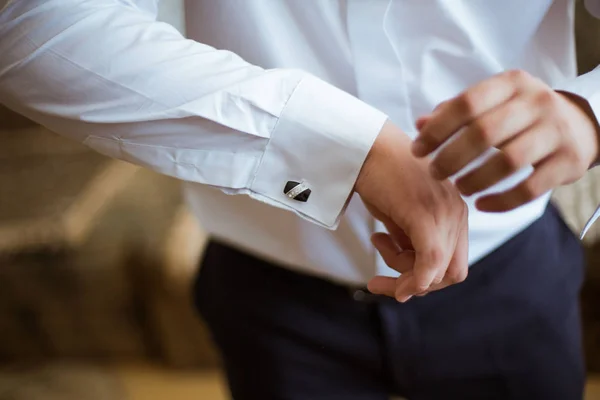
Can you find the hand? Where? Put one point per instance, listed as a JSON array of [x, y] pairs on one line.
[[526, 120], [426, 219]]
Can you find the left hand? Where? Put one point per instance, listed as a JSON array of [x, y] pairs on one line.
[[529, 122]]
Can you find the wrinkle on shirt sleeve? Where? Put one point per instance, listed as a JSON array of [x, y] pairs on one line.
[[112, 77]]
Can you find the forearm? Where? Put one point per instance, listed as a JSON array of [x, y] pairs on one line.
[[100, 70], [112, 77]]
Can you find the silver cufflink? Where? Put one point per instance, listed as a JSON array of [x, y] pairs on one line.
[[297, 191]]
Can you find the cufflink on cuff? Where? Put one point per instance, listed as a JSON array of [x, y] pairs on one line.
[[297, 191]]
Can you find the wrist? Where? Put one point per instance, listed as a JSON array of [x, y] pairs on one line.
[[389, 141]]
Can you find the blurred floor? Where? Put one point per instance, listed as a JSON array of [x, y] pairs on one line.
[[151, 383], [593, 388]]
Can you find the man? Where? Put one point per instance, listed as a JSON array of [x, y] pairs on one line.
[[317, 101]]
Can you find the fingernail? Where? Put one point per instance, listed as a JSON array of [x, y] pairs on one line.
[[403, 299], [419, 148]]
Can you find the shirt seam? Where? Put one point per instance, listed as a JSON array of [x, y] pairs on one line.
[[130, 143]]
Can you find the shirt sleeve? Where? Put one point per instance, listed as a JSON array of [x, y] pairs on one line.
[[107, 74]]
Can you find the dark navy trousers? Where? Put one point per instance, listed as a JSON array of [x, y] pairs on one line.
[[510, 331]]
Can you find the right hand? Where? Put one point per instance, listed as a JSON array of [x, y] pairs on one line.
[[426, 219]]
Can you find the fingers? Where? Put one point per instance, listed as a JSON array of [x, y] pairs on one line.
[[489, 130], [528, 148], [459, 266], [392, 287], [407, 285], [521, 116], [398, 235], [449, 117], [403, 285], [434, 248], [419, 268], [400, 288], [547, 174], [383, 285], [396, 258]]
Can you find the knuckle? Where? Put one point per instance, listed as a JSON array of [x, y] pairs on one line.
[[517, 75], [483, 130], [517, 108], [436, 256], [546, 98], [468, 103], [513, 160]]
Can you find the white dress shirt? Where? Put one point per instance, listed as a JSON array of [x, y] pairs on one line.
[[298, 90]]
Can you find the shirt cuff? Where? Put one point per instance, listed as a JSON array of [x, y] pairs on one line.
[[587, 87], [321, 140]]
